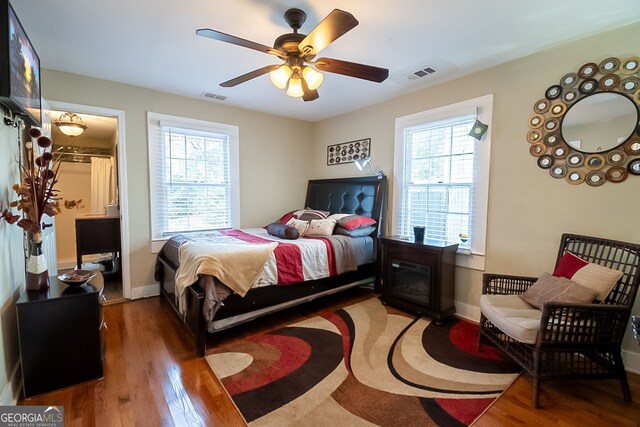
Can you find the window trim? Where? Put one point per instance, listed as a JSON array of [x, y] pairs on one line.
[[483, 107], [154, 122]]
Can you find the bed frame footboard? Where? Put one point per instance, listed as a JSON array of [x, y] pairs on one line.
[[260, 302]]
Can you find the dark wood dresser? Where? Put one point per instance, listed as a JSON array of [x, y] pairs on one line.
[[60, 333], [419, 277]]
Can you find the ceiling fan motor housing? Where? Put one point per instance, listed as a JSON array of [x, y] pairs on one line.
[[289, 42], [295, 18]]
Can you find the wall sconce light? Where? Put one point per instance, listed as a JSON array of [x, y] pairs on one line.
[[71, 124], [361, 163]]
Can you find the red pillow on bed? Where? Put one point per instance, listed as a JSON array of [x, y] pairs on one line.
[[353, 222], [286, 217]]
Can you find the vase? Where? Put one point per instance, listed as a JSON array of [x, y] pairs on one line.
[[37, 273]]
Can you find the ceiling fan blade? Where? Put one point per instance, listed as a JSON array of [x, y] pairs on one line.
[[250, 75], [352, 69], [227, 38], [308, 94], [334, 25]]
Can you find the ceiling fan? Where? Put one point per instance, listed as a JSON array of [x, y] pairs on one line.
[[299, 73]]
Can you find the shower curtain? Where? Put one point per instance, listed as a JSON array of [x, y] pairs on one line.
[[102, 183]]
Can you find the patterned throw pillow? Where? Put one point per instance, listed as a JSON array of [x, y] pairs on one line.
[[286, 217], [352, 222], [299, 225], [321, 227], [557, 289], [309, 214], [594, 276]]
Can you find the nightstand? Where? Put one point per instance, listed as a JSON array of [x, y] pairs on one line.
[[60, 333], [419, 277]]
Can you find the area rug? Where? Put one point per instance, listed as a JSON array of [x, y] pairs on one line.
[[366, 364]]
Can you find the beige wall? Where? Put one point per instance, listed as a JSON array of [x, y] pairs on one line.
[[528, 210], [270, 182], [11, 268], [74, 184]]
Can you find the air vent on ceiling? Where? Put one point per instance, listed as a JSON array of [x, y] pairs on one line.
[[214, 96], [422, 72]]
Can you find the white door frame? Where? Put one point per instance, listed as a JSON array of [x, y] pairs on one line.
[[122, 180]]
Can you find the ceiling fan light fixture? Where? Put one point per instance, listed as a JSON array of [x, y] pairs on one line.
[[71, 124], [312, 77], [280, 76], [295, 87]]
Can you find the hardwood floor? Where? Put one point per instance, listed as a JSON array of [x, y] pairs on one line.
[[153, 378]]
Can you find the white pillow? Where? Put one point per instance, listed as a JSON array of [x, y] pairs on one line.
[[299, 225], [321, 227], [600, 279]]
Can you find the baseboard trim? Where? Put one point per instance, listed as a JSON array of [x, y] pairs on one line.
[[145, 291], [11, 391], [467, 311], [631, 360]]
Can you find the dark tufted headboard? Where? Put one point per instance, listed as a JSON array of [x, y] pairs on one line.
[[362, 195]]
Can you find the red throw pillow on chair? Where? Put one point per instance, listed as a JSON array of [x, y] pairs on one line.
[[594, 276]]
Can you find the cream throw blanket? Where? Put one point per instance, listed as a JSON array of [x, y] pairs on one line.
[[236, 265]]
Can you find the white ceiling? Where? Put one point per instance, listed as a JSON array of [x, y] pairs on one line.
[[152, 43]]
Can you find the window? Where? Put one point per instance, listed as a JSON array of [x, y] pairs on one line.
[[193, 169], [441, 176]]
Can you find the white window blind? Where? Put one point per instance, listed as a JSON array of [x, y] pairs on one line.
[[193, 177], [438, 180], [442, 176]]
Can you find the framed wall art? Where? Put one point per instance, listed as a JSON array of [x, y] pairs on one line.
[[348, 152]]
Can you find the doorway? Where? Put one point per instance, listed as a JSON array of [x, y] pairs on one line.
[[91, 178]]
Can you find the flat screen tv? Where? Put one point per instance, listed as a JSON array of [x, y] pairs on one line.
[[19, 68]]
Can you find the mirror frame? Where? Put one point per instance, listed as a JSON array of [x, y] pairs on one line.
[[558, 100]]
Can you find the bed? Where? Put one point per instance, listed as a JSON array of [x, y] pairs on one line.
[[363, 196]]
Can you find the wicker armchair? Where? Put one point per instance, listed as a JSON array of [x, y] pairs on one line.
[[573, 341]]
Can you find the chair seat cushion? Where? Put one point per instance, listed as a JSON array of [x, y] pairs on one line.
[[513, 316]]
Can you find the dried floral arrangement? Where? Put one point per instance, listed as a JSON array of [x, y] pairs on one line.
[[36, 192]]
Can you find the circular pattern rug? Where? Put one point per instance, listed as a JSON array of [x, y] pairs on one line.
[[365, 364]]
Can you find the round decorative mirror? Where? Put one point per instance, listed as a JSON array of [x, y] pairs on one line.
[[558, 171], [633, 167], [599, 122], [595, 178], [586, 128]]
